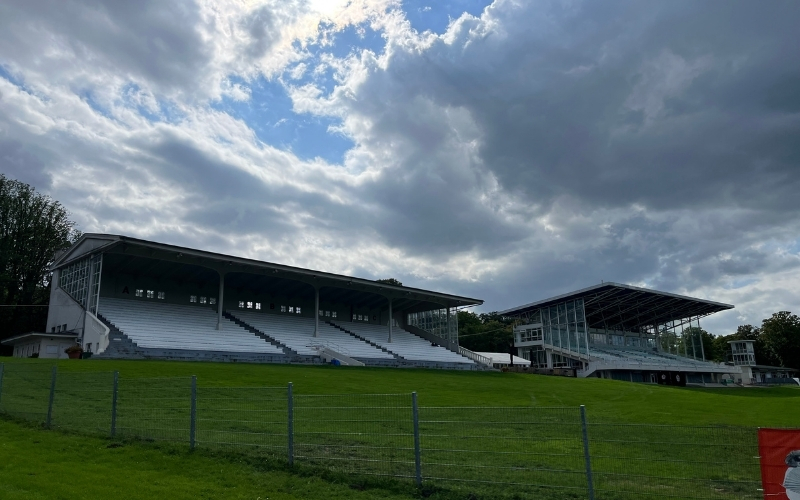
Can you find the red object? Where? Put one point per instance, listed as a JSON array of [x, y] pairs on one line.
[[775, 447], [74, 354]]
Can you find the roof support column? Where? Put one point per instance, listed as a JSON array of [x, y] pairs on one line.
[[316, 312], [700, 334], [221, 299], [391, 321], [448, 323]]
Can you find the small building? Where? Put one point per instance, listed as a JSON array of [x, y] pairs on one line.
[[503, 359], [743, 355], [41, 345]]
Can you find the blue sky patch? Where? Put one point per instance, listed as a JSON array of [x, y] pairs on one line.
[[435, 15], [269, 114]]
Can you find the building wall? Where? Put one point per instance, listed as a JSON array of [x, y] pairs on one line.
[[63, 310], [48, 348]]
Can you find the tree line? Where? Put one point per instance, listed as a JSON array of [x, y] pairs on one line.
[[33, 228], [776, 341]]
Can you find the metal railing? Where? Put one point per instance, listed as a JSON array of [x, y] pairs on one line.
[[483, 452]]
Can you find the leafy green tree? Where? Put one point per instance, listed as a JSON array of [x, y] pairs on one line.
[[33, 228], [390, 281], [780, 335], [485, 332]]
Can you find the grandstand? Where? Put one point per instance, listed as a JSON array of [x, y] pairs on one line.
[[619, 332], [124, 297]]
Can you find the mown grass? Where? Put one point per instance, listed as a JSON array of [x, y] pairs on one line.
[[647, 441]]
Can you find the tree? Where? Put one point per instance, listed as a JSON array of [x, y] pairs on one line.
[[33, 227], [390, 281], [488, 332], [780, 335]]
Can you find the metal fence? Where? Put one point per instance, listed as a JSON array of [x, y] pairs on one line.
[[485, 452]]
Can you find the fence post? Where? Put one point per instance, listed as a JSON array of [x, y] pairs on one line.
[[2, 370], [193, 413], [52, 396], [290, 429], [589, 478], [114, 405], [417, 451]]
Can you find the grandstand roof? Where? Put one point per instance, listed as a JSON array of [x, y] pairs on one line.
[[626, 307], [125, 254]]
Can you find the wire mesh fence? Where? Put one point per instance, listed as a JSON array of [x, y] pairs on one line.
[[671, 461], [365, 434], [248, 419], [486, 452], [158, 409], [532, 452]]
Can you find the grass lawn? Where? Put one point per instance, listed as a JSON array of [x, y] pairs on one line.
[[485, 433], [605, 400], [50, 465]]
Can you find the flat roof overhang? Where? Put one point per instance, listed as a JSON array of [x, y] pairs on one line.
[[126, 254], [26, 336], [630, 308]]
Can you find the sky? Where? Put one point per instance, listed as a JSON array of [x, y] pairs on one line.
[[508, 150]]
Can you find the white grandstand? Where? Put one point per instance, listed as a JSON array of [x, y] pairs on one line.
[[130, 298], [620, 332]]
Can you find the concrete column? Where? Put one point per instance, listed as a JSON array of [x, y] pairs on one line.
[[316, 312], [448, 322], [391, 321], [220, 299]]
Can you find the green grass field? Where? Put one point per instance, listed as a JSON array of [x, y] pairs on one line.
[[647, 441]]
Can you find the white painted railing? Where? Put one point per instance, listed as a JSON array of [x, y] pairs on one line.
[[474, 356]]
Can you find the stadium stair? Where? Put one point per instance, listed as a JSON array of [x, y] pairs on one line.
[[119, 345], [259, 333], [373, 344]]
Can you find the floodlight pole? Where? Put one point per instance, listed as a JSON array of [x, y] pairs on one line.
[[221, 299], [700, 333]]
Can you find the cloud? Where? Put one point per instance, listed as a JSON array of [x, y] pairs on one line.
[[524, 150]]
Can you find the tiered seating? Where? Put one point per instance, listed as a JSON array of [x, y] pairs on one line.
[[405, 344], [620, 353], [169, 326], [297, 333]]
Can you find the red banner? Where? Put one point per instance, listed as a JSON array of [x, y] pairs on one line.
[[779, 450]]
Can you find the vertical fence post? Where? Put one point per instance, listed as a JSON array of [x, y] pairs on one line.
[[52, 397], [587, 457], [290, 429], [2, 370], [417, 451], [114, 405], [193, 413]]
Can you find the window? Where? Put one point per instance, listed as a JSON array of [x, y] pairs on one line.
[[139, 292], [241, 304], [258, 306], [162, 295], [88, 347], [297, 310], [283, 309], [58, 328], [64, 327], [249, 304], [320, 312], [52, 349], [53, 330], [327, 314], [291, 309], [192, 298], [360, 317], [203, 300], [333, 314], [151, 294], [212, 300], [354, 317]]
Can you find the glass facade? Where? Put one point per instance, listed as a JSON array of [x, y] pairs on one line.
[[81, 280], [564, 326], [435, 322]]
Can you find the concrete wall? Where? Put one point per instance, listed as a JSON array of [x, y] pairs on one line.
[[48, 348], [63, 310]]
